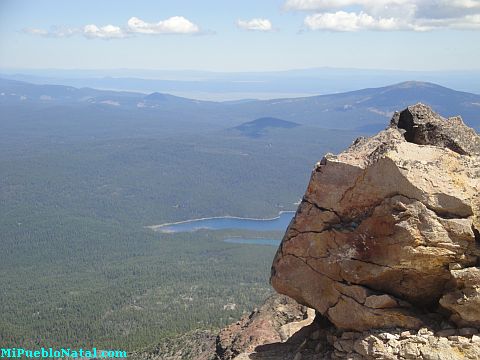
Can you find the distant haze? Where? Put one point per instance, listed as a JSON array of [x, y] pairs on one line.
[[221, 86]]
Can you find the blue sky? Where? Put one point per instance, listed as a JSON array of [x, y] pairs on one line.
[[240, 35]]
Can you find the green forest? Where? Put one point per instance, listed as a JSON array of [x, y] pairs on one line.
[[80, 268]]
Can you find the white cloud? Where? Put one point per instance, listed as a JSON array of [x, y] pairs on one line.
[[384, 15], [33, 31], [105, 32], [54, 32], [433, 5], [468, 22], [447, 9], [173, 25], [255, 24], [339, 4], [349, 21]]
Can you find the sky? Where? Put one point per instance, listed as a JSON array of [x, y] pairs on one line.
[[240, 35]]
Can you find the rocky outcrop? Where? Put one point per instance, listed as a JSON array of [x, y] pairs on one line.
[[274, 323], [322, 341], [385, 247], [386, 235], [464, 300]]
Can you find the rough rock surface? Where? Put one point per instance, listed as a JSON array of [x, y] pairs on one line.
[[322, 341], [275, 322], [388, 231]]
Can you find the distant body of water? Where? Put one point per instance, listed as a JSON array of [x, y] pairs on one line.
[[279, 223]]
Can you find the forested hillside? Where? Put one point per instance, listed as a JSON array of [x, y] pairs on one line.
[[79, 266], [82, 177]]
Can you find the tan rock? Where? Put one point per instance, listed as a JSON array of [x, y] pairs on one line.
[[381, 302], [348, 314], [389, 222], [370, 346], [289, 329], [464, 301]]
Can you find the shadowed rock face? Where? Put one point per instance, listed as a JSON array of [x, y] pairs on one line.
[[388, 230]]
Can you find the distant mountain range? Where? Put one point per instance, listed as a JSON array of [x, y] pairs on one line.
[[366, 110], [209, 85]]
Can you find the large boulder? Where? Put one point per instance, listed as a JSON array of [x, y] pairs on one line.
[[389, 227]]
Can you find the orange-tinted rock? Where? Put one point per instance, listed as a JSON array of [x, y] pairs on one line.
[[276, 321]]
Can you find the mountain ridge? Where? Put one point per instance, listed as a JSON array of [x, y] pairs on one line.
[[231, 85], [363, 109]]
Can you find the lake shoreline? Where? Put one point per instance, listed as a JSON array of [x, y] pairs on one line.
[[156, 227]]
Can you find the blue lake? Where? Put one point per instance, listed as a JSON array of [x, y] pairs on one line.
[[279, 223], [271, 242]]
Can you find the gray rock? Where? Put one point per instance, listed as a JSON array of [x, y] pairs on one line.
[[467, 331], [447, 332]]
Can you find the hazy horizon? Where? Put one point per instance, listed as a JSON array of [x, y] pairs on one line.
[[233, 86], [288, 69]]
